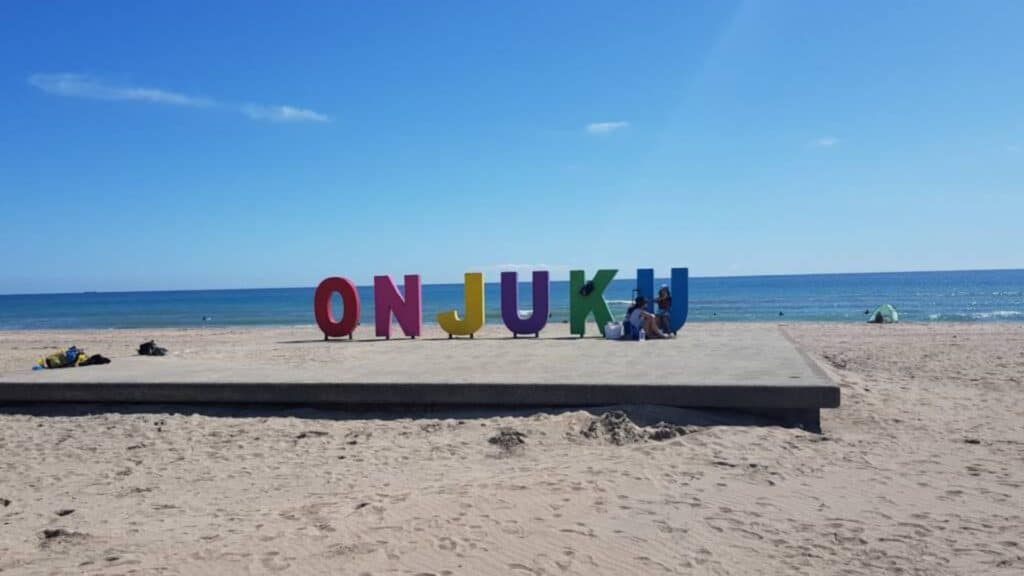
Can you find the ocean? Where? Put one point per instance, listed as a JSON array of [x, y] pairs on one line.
[[960, 296]]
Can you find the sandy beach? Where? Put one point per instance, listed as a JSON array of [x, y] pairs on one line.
[[921, 471]]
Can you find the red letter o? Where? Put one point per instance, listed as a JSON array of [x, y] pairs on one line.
[[325, 315]]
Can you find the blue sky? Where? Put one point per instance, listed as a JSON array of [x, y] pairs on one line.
[[244, 144]]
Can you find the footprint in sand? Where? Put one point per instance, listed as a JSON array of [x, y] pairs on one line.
[[523, 568], [272, 563], [951, 494]]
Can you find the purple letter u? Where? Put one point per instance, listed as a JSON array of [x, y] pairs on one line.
[[536, 321]]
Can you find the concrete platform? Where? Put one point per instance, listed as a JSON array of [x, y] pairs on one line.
[[756, 370]]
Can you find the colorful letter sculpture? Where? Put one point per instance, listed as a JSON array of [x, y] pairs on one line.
[[585, 299], [680, 294], [582, 305], [408, 311], [475, 312], [536, 321], [325, 314]]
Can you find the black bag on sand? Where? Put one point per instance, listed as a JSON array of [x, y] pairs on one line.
[[95, 359], [151, 349]]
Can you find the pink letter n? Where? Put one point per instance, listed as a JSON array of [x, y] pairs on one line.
[[408, 311]]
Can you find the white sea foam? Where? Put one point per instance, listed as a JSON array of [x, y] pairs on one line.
[[997, 314]]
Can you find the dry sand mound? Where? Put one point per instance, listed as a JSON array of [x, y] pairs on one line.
[[508, 439], [616, 428]]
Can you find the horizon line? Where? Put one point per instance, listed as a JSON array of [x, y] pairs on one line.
[[716, 277]]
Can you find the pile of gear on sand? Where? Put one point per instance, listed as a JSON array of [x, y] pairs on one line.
[[70, 358], [74, 357], [151, 349]]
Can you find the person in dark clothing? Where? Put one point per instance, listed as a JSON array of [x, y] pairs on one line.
[[664, 302]]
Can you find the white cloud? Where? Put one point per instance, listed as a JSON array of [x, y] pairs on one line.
[[283, 114], [80, 86], [826, 142], [1013, 148], [83, 86], [605, 127]]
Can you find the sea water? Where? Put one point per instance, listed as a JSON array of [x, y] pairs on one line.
[[970, 296]]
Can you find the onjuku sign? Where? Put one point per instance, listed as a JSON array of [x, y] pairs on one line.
[[407, 309]]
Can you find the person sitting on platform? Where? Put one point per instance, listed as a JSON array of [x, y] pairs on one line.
[[664, 301], [639, 318]]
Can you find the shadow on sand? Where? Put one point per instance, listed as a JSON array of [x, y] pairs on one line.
[[642, 415]]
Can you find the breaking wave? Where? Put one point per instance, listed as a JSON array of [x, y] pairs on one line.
[[996, 314]]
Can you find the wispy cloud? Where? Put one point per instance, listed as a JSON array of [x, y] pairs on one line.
[[1013, 148], [80, 86], [826, 142], [84, 86], [283, 114], [605, 127]]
